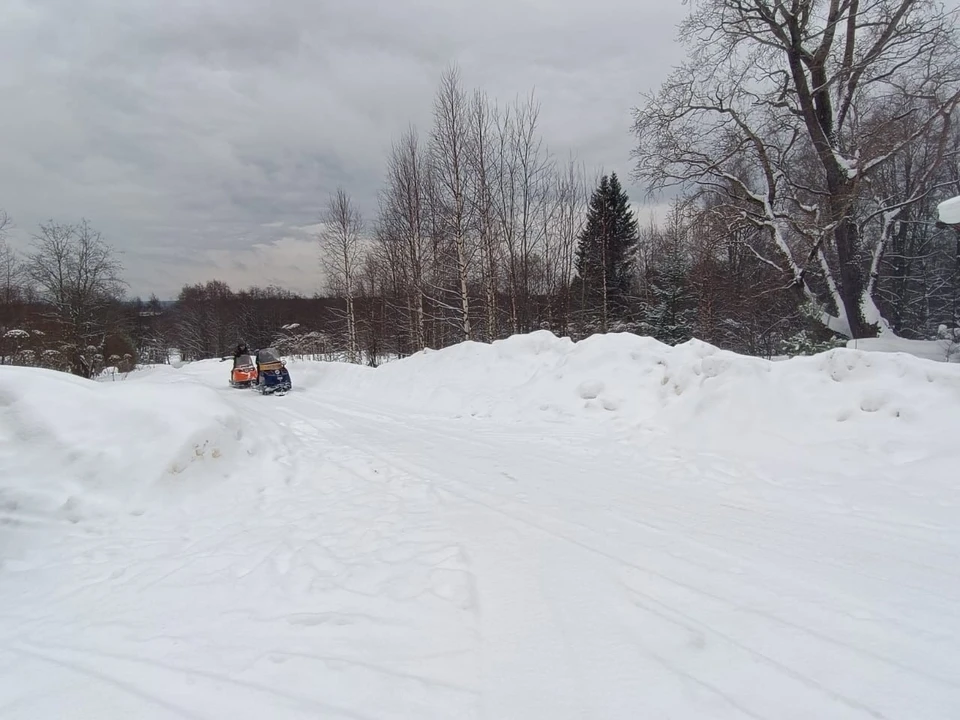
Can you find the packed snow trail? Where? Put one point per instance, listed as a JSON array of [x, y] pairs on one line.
[[369, 560], [614, 585]]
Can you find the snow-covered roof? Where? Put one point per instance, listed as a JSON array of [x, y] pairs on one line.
[[949, 211]]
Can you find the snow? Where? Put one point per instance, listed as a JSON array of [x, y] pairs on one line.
[[534, 528], [873, 316], [949, 211], [71, 447], [848, 165], [945, 349]]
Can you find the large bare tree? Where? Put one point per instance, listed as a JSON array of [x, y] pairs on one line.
[[565, 218], [402, 229], [788, 109], [341, 243], [524, 172], [451, 172], [482, 161]]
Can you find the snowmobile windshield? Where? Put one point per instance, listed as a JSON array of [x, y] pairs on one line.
[[269, 355], [242, 360]]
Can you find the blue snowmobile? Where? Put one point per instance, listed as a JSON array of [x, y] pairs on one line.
[[272, 375]]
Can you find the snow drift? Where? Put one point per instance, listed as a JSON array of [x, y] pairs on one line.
[[694, 390], [71, 447]]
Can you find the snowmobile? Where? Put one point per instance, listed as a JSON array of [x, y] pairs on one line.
[[244, 371], [272, 376]]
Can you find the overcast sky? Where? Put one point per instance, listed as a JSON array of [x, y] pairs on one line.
[[203, 137]]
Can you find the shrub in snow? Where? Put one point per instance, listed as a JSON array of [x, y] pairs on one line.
[[806, 342], [812, 339]]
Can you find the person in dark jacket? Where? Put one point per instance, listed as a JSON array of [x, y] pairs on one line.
[[241, 350]]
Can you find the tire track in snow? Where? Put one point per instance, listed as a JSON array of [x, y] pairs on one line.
[[745, 522], [447, 482], [544, 599]]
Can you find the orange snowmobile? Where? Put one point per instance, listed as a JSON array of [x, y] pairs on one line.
[[244, 371]]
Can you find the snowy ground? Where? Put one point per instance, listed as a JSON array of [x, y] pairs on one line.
[[945, 349], [613, 529]]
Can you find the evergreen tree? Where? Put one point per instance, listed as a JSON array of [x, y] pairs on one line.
[[605, 252], [671, 315], [670, 309]]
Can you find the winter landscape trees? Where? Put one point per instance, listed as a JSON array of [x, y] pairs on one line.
[[805, 146], [76, 274], [60, 302], [793, 118]]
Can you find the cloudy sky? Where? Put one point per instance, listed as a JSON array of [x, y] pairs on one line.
[[203, 137]]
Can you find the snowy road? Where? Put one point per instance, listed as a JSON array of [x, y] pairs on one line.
[[373, 563]]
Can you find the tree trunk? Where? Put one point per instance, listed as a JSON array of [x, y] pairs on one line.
[[846, 237]]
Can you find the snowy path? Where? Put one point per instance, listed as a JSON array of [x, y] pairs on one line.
[[374, 564]]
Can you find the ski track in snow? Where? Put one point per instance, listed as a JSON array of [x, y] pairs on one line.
[[370, 564]]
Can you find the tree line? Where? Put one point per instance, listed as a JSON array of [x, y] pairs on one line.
[[805, 146], [806, 143], [481, 233]]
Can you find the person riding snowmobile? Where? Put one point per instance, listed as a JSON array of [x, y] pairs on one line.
[[241, 350]]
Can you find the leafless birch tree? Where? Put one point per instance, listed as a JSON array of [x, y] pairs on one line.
[[342, 256], [451, 166], [482, 163], [570, 197], [402, 227]]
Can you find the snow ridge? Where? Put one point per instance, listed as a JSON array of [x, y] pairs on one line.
[[71, 448], [632, 381]]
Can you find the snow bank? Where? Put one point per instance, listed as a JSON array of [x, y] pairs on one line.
[[942, 350], [694, 390], [71, 447], [949, 211]]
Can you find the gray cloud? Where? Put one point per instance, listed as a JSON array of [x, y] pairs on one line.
[[201, 138]]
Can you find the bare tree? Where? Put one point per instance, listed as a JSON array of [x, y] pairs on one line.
[[482, 161], [506, 174], [401, 231], [533, 166], [374, 284], [570, 198], [11, 267], [342, 257], [11, 295], [523, 174], [788, 110], [77, 274], [450, 160]]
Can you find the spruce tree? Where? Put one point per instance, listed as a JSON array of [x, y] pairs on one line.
[[671, 316], [605, 253]]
